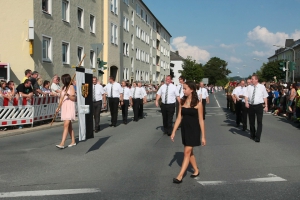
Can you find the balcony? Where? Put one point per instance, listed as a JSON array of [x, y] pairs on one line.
[[157, 36], [157, 68]]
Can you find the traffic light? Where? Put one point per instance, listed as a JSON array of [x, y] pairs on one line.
[[292, 66], [101, 64], [282, 66]]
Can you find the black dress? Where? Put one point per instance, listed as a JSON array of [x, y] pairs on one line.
[[190, 127]]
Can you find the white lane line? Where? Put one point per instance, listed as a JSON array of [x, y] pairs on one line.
[[48, 192], [217, 101], [270, 178]]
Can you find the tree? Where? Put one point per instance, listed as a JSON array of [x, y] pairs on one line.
[[271, 69], [191, 70], [216, 69], [172, 73]]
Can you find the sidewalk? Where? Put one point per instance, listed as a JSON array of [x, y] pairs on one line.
[[35, 128]]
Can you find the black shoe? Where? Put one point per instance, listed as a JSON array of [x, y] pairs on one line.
[[110, 125], [194, 176], [237, 125], [175, 180], [244, 129], [96, 131], [169, 134], [125, 123], [257, 140], [114, 125]]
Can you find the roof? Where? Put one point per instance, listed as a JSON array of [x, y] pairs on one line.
[[154, 17], [174, 56]]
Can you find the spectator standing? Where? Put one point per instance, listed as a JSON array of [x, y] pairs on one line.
[[27, 75], [55, 87]]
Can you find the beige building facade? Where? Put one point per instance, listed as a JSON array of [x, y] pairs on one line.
[[63, 32], [137, 45]]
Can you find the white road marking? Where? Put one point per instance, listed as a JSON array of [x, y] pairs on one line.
[[217, 101], [48, 192], [270, 178]]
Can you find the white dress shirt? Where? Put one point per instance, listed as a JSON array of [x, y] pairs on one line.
[[180, 90], [202, 93], [126, 93], [260, 94], [173, 93], [117, 90], [99, 91], [136, 93], [144, 93], [239, 91]]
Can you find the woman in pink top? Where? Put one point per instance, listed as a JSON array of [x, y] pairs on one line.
[[67, 111]]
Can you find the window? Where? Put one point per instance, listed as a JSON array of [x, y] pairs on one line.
[[92, 24], [92, 59], [126, 2], [47, 6], [138, 9], [47, 49], [126, 24], [147, 19], [114, 6], [80, 55], [114, 34], [80, 17], [142, 13], [132, 42], [132, 18], [65, 53], [65, 10]]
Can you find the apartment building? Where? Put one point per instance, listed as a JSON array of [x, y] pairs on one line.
[[49, 36], [290, 52], [136, 45], [177, 61]]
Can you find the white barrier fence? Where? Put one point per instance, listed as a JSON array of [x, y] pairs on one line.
[[20, 111]]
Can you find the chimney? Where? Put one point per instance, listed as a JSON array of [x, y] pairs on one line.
[[177, 52], [289, 42]]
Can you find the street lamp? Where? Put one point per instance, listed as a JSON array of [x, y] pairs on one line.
[[288, 48]]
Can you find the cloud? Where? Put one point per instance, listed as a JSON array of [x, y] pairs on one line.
[[263, 35], [250, 44], [235, 60], [263, 53], [186, 50], [229, 46]]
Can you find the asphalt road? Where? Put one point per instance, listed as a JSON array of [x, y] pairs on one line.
[[136, 161]]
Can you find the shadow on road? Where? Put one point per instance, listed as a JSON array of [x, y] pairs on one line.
[[178, 157], [98, 144], [240, 132]]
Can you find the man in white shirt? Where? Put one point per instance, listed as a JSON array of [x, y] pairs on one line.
[[143, 99], [180, 90], [245, 110], [238, 93], [203, 97], [98, 96], [126, 101], [255, 96], [136, 93], [114, 93], [168, 93]]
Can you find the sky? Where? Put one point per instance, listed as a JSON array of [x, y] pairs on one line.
[[234, 30]]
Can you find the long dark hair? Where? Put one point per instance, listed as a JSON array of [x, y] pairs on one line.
[[66, 79], [195, 100]]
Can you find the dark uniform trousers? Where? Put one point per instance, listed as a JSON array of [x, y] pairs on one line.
[[204, 107], [256, 110], [177, 108], [97, 110], [125, 110], [238, 112], [141, 109], [245, 113], [168, 111], [113, 105], [135, 107]]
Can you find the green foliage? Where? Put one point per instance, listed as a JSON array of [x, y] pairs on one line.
[[271, 69], [192, 70], [216, 70], [222, 82]]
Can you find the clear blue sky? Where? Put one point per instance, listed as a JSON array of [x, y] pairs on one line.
[[234, 30]]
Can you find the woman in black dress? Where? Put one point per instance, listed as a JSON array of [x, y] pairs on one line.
[[190, 117]]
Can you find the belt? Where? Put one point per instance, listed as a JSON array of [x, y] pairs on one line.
[[168, 103], [113, 97], [256, 104], [96, 101]]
